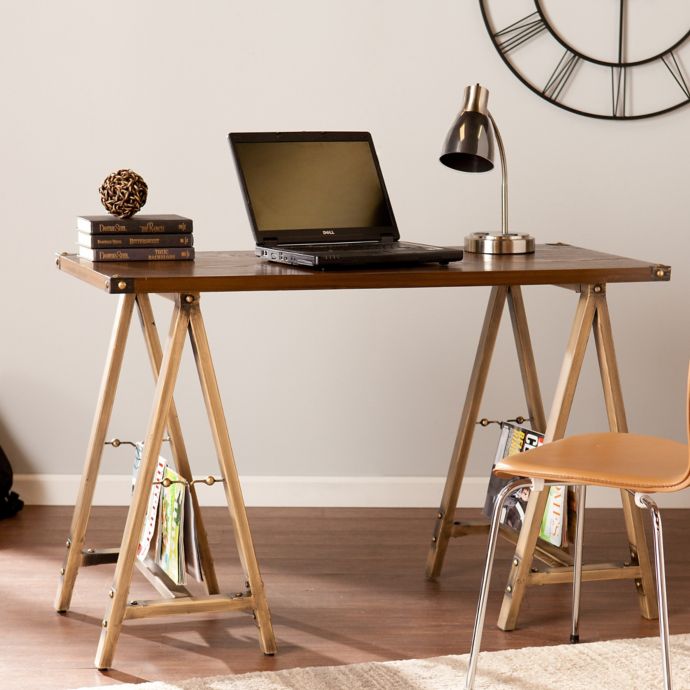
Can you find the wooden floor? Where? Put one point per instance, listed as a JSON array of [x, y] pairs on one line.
[[344, 585]]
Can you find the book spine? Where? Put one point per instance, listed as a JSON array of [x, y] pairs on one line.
[[140, 254], [138, 240], [134, 226]]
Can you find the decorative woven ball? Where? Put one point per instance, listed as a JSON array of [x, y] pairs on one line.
[[123, 193]]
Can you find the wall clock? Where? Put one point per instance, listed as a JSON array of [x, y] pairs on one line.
[[610, 59]]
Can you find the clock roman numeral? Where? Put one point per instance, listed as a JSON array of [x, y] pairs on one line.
[[519, 32], [561, 75], [619, 83], [676, 72]]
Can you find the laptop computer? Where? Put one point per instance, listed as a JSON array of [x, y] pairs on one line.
[[318, 199]]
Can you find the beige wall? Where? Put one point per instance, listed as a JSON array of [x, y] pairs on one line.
[[341, 383]]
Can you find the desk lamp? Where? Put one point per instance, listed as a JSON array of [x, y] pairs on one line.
[[469, 147]]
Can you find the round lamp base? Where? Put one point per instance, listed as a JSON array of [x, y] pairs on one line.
[[504, 243]]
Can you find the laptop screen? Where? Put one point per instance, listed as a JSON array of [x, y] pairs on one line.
[[313, 186]]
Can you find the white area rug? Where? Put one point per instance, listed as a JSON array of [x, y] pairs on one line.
[[615, 665]]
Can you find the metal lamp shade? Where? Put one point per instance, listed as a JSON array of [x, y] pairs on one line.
[[469, 145]]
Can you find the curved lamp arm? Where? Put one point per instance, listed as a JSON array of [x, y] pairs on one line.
[[504, 177]]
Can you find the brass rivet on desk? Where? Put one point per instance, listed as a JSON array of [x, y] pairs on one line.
[[62, 571], [104, 623], [111, 593], [90, 550], [189, 299], [597, 288], [509, 589], [433, 540], [439, 515], [166, 482], [516, 562], [210, 480], [121, 285], [660, 273], [68, 543]]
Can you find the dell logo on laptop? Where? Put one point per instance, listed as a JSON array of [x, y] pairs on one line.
[[328, 232]]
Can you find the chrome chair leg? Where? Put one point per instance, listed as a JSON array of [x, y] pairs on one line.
[[644, 501], [577, 563], [500, 500]]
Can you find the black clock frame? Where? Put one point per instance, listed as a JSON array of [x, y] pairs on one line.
[[571, 58]]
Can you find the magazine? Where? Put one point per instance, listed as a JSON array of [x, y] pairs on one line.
[[170, 545], [171, 529], [517, 439], [150, 522], [192, 557]]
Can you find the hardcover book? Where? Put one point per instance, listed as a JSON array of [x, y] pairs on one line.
[[176, 239], [517, 439], [138, 254], [110, 225]]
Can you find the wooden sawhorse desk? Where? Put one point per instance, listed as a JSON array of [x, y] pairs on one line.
[[584, 271]]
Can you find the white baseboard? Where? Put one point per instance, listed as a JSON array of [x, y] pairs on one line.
[[380, 492], [330, 492]]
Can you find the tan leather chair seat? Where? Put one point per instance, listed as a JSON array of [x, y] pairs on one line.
[[624, 461]]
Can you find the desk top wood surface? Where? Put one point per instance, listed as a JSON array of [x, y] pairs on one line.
[[236, 271]]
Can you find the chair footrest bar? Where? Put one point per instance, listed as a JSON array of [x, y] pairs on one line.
[[216, 603], [590, 573], [99, 556]]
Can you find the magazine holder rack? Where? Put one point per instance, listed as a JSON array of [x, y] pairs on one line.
[[591, 316], [186, 318], [583, 271]]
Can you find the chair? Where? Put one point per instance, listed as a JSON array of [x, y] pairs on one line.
[[641, 465]]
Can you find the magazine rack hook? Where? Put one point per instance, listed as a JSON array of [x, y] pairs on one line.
[[209, 481], [116, 442], [518, 420]]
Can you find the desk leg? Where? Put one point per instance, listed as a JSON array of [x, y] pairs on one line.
[[639, 554], [555, 429], [528, 369], [112, 622], [179, 451], [104, 407], [591, 314], [463, 441], [233, 490]]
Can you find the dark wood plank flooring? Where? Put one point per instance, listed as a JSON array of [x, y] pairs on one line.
[[344, 586]]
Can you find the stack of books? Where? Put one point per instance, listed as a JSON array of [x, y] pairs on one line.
[[139, 238]]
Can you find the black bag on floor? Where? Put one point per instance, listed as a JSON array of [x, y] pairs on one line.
[[10, 503]]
